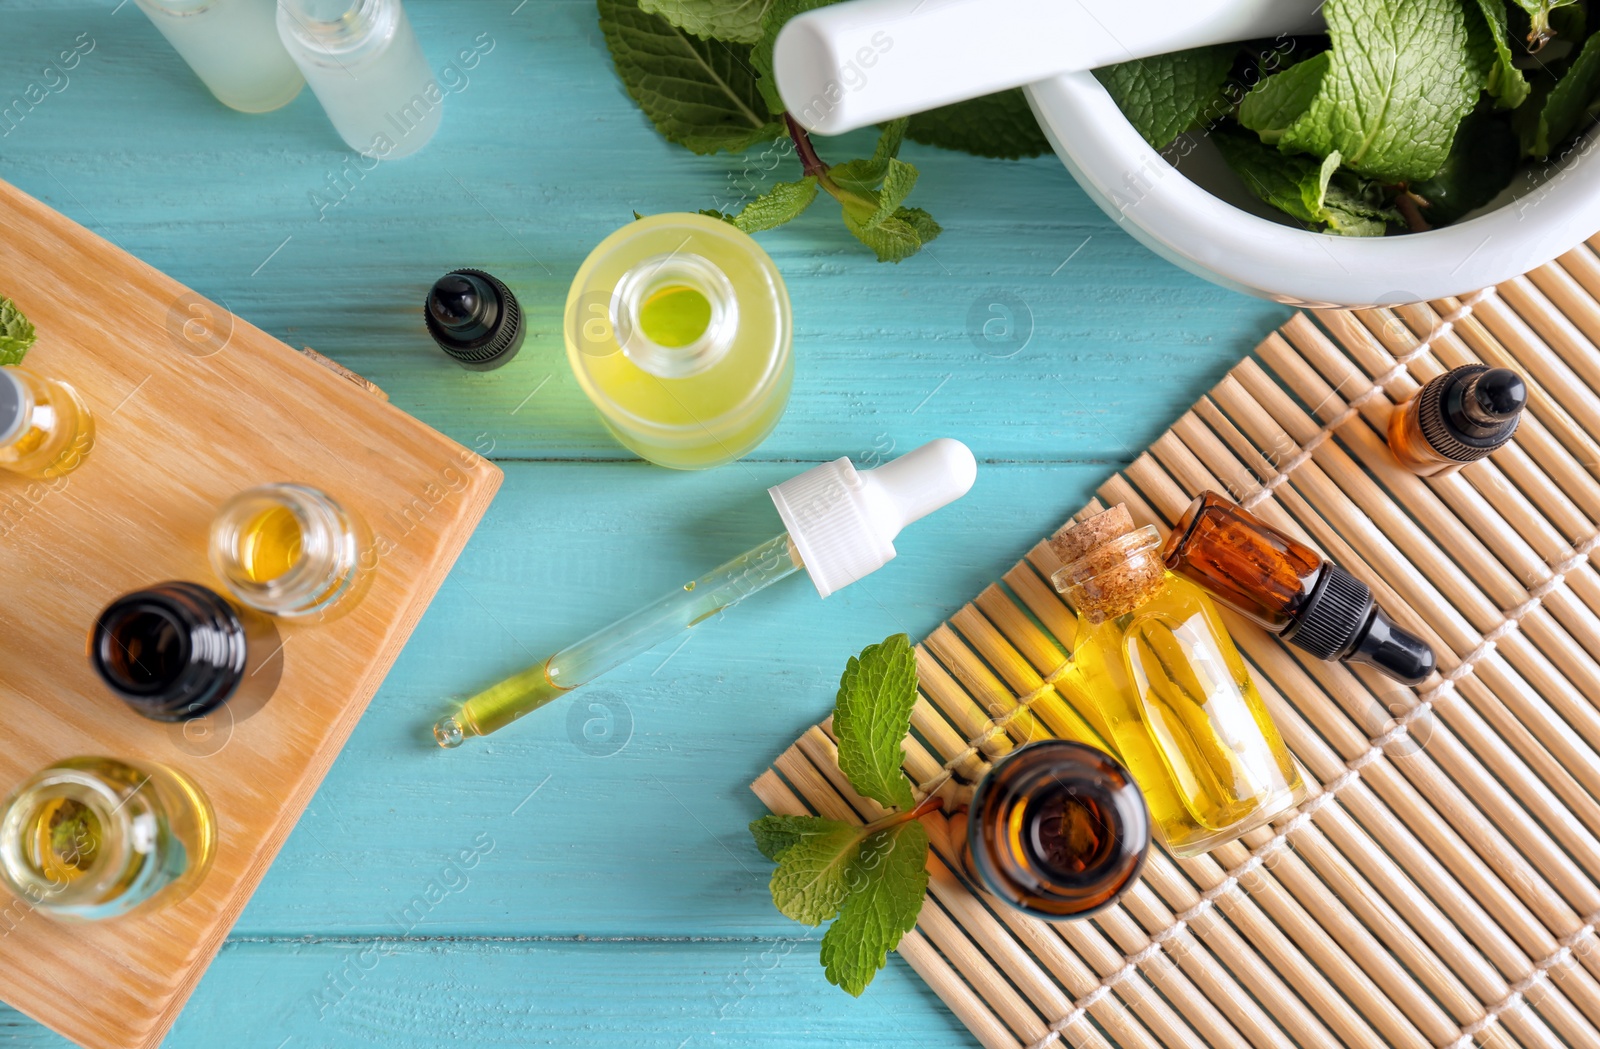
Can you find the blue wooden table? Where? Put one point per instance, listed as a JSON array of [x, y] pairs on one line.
[[615, 898]]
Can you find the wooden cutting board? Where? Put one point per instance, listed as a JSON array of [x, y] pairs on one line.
[[191, 405]]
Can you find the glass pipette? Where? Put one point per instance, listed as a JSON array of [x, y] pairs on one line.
[[842, 524]]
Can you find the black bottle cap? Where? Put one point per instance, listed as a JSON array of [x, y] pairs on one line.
[[1341, 620], [474, 318], [1469, 411]]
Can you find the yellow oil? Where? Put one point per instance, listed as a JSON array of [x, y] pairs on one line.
[[675, 316], [66, 838], [499, 705], [696, 420], [269, 544], [1165, 686]]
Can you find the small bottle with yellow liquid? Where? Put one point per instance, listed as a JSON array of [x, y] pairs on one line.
[[45, 426], [92, 838], [1162, 682], [291, 550], [678, 329]]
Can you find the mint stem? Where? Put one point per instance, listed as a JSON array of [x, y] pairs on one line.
[[811, 163]]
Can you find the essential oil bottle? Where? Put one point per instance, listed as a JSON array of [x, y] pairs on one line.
[[475, 319], [233, 47], [1058, 830], [179, 650], [45, 427], [1164, 684], [91, 838], [678, 329], [1457, 418], [365, 66], [291, 550], [1290, 589]]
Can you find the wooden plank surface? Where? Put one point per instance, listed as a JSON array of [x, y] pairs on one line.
[[540, 156]]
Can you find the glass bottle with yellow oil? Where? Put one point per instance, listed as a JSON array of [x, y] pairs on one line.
[[291, 550], [1162, 682], [45, 426], [678, 329], [92, 837]]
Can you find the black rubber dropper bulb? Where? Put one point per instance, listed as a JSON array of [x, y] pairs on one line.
[[1488, 400], [474, 318]]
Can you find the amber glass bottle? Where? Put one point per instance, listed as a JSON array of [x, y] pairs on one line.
[[1057, 830], [1162, 682], [1290, 589], [1457, 418]]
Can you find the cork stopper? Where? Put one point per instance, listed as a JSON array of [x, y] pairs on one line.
[[1109, 567]]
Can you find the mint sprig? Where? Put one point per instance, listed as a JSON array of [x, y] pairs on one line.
[[16, 334], [1165, 95], [870, 879]]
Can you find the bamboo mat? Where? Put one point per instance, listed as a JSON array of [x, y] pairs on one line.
[[1441, 886]]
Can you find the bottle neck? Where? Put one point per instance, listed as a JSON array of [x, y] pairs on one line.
[[674, 315], [171, 652], [338, 27], [286, 549]]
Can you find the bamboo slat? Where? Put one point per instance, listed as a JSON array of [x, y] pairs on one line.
[[1440, 886]]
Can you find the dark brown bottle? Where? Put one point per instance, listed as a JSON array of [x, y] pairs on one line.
[[1058, 830], [1457, 418], [1290, 589]]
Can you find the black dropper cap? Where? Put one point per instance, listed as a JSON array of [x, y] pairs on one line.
[[474, 318], [1470, 411], [1341, 620]]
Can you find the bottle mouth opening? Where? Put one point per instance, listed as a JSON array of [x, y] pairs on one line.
[[674, 315], [142, 648], [69, 838], [284, 549], [336, 26]]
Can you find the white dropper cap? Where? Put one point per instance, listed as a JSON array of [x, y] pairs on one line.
[[843, 521]]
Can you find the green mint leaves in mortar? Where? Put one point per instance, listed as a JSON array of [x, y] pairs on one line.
[[16, 334], [701, 70], [868, 879], [1407, 114]]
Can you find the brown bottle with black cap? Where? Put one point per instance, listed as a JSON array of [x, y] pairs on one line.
[[1290, 589], [1457, 418]]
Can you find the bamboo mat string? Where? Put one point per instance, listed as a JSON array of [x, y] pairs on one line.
[[1561, 957], [997, 727], [1353, 405]]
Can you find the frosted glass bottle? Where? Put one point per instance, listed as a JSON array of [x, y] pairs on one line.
[[365, 66], [232, 47]]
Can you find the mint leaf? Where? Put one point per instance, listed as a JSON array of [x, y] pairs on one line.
[[1166, 95], [1279, 100], [1564, 108], [16, 334], [873, 714], [774, 834], [1482, 162], [734, 21], [1505, 82], [889, 879], [1399, 82], [777, 205], [811, 878], [699, 94], [1000, 126], [1316, 193]]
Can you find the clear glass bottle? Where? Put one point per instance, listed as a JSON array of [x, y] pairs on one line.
[[45, 427], [91, 838], [678, 329], [1457, 418], [1058, 830], [365, 66], [1163, 683], [233, 47], [179, 650], [291, 550]]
